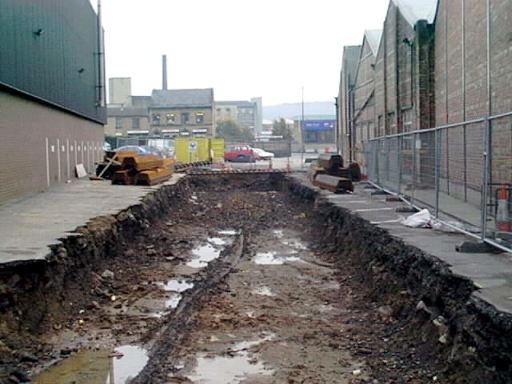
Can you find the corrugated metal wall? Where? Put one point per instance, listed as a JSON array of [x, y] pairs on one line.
[[49, 49]]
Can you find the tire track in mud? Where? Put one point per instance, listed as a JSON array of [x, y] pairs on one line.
[[178, 323]]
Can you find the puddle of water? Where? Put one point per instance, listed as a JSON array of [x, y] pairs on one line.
[[96, 367], [270, 258], [293, 258], [263, 291], [230, 369], [295, 244], [203, 255], [217, 241], [133, 360], [226, 370], [176, 285], [228, 232], [325, 308], [267, 258], [173, 300]]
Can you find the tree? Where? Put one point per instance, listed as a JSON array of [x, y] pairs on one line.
[[231, 131], [280, 128]]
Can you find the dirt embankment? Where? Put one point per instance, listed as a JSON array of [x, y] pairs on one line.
[[435, 316], [79, 296], [351, 305]]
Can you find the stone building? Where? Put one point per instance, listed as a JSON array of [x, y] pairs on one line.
[[182, 112], [52, 93], [246, 114], [127, 120]]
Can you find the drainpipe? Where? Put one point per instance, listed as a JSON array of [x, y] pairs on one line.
[[398, 110], [464, 128], [101, 85], [489, 82], [351, 121], [447, 168], [336, 132]]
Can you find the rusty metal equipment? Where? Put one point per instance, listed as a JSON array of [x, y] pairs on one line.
[[327, 172], [333, 183], [185, 167], [332, 165], [202, 172], [153, 176], [330, 162], [142, 170], [142, 163]]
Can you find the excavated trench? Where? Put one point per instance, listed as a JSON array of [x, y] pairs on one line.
[[244, 279]]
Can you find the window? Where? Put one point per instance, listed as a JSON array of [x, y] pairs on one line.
[[155, 119], [371, 130], [170, 118], [199, 118], [407, 120], [119, 123], [135, 123], [185, 118], [391, 125]]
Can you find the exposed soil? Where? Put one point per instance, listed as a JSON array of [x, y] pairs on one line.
[[233, 281]]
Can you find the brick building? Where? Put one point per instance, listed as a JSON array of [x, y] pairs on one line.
[[52, 99], [469, 87], [439, 63]]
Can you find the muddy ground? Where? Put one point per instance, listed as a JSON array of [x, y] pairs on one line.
[[231, 285]]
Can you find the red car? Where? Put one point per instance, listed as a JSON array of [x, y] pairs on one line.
[[241, 153]]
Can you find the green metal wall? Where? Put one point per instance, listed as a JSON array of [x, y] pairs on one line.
[[58, 64]]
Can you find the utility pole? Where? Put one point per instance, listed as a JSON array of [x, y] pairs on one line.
[[302, 131]]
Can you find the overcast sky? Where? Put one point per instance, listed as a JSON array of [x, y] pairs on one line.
[[241, 48]]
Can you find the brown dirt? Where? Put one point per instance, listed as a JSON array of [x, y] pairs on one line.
[[320, 324]]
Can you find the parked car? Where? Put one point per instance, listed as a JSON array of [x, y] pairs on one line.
[[132, 148], [262, 154], [241, 153]]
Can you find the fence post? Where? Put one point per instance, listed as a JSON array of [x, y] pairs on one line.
[[399, 164], [485, 178], [387, 151], [376, 149], [437, 168], [414, 165]]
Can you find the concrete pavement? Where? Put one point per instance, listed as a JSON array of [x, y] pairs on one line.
[[490, 272], [30, 225]]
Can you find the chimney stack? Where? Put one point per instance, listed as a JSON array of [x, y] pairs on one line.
[[164, 72]]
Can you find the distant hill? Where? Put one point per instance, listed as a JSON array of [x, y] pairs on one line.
[[291, 110]]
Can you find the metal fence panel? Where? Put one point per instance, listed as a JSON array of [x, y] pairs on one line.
[[499, 204], [461, 173]]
